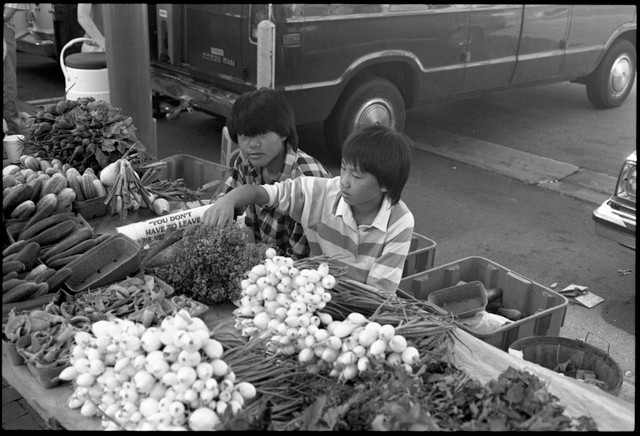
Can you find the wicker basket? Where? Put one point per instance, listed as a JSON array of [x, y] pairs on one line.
[[552, 351]]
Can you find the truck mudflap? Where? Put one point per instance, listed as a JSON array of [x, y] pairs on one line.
[[208, 98]]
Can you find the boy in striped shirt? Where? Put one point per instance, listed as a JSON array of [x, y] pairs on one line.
[[358, 219], [262, 123]]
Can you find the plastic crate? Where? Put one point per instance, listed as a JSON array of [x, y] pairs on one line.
[[196, 173], [421, 255], [543, 309], [108, 262]]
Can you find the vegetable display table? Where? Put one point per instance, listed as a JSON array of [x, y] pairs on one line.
[[481, 360]]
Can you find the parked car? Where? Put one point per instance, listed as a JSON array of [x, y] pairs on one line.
[[615, 218]]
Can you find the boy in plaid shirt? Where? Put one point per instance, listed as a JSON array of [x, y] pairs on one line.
[[262, 123], [357, 219]]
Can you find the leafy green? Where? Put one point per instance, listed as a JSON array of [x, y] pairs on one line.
[[438, 397], [213, 263], [82, 133]]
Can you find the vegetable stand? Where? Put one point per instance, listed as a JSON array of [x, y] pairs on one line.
[[481, 360]]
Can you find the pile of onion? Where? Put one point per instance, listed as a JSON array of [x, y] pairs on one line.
[[170, 377]]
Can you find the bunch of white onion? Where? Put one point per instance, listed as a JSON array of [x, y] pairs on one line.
[[352, 343], [280, 302], [169, 377], [284, 305]]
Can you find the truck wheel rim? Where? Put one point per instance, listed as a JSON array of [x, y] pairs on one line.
[[374, 112], [620, 76]]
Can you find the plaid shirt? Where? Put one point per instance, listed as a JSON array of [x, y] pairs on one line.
[[270, 225]]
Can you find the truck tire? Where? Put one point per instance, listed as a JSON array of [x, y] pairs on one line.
[[371, 101], [610, 83]]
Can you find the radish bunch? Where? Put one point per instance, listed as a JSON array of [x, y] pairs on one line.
[[284, 306], [349, 345], [170, 377], [281, 301]]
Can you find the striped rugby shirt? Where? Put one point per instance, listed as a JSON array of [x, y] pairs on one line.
[[374, 254], [270, 225]]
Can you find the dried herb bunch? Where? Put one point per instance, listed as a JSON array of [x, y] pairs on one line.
[[213, 263]]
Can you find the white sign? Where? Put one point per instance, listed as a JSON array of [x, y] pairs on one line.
[[155, 229]]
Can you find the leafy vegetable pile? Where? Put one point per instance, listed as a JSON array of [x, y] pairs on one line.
[[83, 133], [439, 397], [211, 263], [51, 334]]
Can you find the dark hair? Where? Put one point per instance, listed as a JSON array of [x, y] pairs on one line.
[[262, 111], [383, 152]]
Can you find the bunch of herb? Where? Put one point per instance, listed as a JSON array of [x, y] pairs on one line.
[[439, 397], [84, 133], [213, 263]]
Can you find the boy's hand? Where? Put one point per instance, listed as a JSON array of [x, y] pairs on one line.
[[220, 214]]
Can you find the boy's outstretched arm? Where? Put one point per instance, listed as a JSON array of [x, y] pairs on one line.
[[221, 213]]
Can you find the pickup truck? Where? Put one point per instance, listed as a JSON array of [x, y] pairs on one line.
[[350, 65]]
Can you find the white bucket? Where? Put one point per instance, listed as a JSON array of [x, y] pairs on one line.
[[13, 147], [84, 83]]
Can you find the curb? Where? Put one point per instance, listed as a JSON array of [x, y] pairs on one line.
[[528, 168]]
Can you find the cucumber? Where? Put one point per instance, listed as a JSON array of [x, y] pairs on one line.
[[56, 281], [20, 293], [7, 285]]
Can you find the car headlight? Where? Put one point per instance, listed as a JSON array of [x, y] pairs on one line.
[[626, 187]]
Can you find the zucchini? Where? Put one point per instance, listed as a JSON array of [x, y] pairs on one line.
[[28, 255], [13, 248], [64, 261], [32, 303], [512, 314], [9, 276], [42, 289], [80, 248], [55, 233], [28, 232], [44, 208], [70, 241], [19, 293], [58, 279], [8, 285], [35, 271], [11, 266], [100, 238], [45, 275]]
